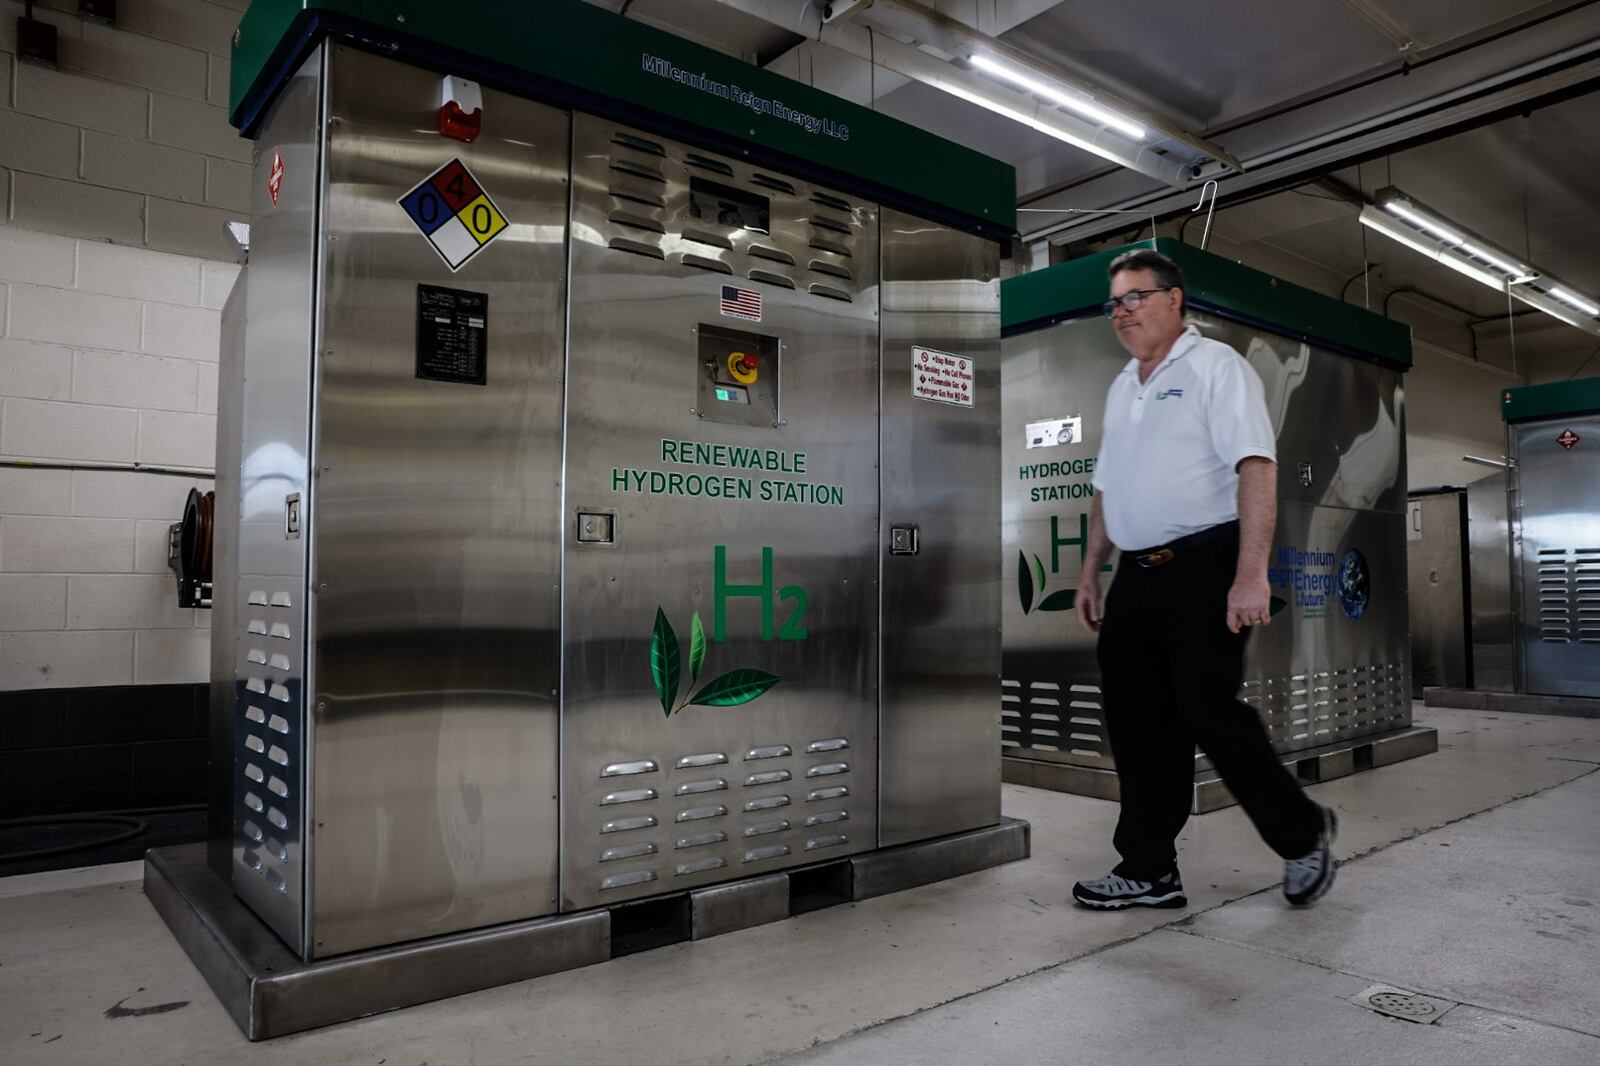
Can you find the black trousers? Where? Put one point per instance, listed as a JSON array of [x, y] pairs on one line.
[[1169, 678]]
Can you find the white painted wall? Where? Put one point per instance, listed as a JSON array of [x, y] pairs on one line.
[[117, 172]]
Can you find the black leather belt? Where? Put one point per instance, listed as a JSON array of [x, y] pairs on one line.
[[1150, 558]]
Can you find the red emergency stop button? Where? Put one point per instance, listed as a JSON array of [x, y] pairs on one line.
[[743, 367]]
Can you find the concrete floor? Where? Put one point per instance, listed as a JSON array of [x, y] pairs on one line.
[[1471, 877]]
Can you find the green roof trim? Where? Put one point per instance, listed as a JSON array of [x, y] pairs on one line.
[[608, 63], [1556, 399], [1078, 287]]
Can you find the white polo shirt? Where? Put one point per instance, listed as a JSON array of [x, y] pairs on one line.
[[1169, 455]]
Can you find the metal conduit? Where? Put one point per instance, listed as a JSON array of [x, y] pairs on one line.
[[129, 468]]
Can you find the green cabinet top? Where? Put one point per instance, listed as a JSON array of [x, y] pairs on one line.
[[1078, 287], [1556, 399], [581, 56]]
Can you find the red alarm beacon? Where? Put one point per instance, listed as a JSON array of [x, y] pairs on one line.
[[460, 108]]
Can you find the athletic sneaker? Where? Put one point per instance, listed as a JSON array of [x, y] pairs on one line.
[[1113, 892], [1308, 878]]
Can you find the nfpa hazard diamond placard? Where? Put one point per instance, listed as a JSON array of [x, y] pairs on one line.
[[455, 213]]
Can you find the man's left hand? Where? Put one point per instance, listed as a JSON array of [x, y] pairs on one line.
[[1249, 604]]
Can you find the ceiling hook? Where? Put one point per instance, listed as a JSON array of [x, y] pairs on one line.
[[1208, 187]]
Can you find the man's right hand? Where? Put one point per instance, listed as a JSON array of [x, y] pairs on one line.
[[1088, 602]]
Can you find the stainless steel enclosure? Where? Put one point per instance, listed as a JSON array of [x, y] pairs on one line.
[[1489, 562], [655, 573], [1556, 514], [1439, 575], [1332, 666]]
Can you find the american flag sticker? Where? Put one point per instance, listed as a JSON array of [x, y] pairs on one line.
[[741, 303]]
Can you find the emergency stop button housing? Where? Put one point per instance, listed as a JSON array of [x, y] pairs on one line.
[[737, 376]]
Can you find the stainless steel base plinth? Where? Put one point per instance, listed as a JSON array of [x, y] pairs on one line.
[[271, 992], [1467, 699], [1314, 764]]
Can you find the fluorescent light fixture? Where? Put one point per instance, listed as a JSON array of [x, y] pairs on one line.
[[1575, 300], [1083, 105], [1031, 121], [1400, 218], [1404, 208], [1430, 247]]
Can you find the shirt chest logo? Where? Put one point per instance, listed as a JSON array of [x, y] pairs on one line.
[[1173, 394]]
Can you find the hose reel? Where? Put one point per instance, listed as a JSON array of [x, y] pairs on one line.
[[189, 549]]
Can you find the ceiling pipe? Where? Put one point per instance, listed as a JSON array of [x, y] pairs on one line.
[[1169, 156], [934, 29], [1526, 85]]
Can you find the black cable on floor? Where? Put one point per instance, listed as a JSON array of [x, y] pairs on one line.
[[134, 827]]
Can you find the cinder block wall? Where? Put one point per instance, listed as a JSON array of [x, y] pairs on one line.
[[117, 173]]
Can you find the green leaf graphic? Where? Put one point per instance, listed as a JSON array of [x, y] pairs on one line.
[[1024, 583], [735, 687], [1063, 600], [697, 647], [1038, 572], [664, 661], [1275, 605]]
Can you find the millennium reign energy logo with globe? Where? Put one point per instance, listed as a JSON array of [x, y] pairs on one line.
[[1355, 583]]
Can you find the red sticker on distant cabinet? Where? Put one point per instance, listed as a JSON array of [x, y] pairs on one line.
[[275, 177], [1568, 439]]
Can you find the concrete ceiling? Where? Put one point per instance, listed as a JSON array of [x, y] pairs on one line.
[[1483, 109]]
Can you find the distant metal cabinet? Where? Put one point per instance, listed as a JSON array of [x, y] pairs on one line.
[[1333, 665], [1555, 501], [1437, 565], [1489, 564]]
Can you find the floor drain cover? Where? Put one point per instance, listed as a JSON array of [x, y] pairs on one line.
[[1398, 1003]]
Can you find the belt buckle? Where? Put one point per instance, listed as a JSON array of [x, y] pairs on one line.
[[1156, 558]]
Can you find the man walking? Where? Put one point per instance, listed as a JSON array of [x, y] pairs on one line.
[[1186, 488]]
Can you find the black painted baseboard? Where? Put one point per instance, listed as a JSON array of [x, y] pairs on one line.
[[120, 747]]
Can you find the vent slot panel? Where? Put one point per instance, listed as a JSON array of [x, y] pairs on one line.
[[770, 278], [661, 200], [627, 795], [635, 195], [767, 181], [628, 851], [715, 240], [689, 788], [625, 769], [638, 170], [833, 225], [703, 837], [622, 244], [818, 266], [633, 221], [710, 758], [637, 143], [700, 840], [623, 825], [716, 166], [776, 255], [704, 263]]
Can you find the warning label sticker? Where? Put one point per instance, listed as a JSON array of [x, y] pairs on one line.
[[455, 213], [941, 377], [1568, 439]]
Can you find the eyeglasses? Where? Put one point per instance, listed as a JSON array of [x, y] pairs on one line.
[[1129, 301]]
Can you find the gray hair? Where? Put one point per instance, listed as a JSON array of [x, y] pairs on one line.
[[1166, 273]]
